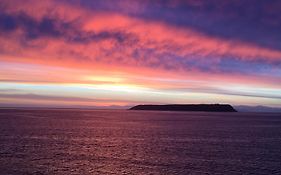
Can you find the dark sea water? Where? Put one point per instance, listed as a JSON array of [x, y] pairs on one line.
[[138, 142]]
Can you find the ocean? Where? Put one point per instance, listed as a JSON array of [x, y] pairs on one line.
[[72, 141]]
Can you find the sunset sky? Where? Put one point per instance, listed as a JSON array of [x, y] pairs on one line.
[[125, 52]]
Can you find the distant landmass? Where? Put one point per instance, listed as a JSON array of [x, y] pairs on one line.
[[244, 108], [187, 107]]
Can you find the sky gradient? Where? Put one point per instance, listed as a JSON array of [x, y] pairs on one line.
[[125, 52]]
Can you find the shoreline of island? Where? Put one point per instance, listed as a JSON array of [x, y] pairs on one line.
[[187, 107]]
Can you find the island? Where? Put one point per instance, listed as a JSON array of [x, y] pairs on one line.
[[187, 107]]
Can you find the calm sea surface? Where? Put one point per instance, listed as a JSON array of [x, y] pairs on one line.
[[138, 142]]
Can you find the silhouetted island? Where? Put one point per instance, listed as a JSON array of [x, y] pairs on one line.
[[187, 107]]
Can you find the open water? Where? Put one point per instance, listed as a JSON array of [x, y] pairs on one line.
[[41, 141]]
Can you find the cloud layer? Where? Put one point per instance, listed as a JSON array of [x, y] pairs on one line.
[[214, 43]]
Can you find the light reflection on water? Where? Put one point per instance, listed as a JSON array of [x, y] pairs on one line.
[[138, 142]]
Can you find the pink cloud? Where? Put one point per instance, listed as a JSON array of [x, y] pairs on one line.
[[109, 42]]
